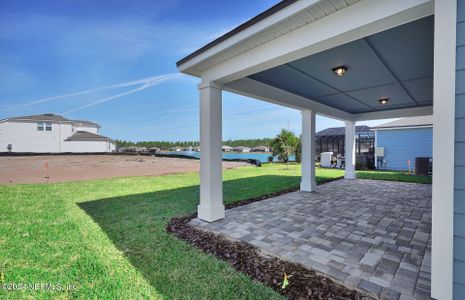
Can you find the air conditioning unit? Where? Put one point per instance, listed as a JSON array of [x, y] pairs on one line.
[[326, 159], [423, 165]]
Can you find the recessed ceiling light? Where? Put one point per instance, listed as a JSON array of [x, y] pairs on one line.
[[383, 101], [339, 71]]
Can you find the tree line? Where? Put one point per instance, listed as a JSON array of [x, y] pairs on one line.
[[284, 145], [165, 145]]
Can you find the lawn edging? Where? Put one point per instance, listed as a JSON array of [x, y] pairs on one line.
[[269, 270]]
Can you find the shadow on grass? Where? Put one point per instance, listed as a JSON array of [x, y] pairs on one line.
[[136, 226]]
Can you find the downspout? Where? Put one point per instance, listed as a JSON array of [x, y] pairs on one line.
[[376, 146], [59, 139]]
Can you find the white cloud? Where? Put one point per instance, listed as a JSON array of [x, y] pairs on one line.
[[147, 83], [144, 82]]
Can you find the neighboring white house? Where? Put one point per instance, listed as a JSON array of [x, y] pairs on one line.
[[260, 149], [241, 149], [175, 149], [50, 133], [226, 148]]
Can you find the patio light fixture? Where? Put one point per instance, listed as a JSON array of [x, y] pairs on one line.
[[383, 101], [339, 71]]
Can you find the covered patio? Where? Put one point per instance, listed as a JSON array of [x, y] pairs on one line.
[[349, 60], [374, 236]]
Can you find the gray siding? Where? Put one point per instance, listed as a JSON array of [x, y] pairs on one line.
[[459, 196]]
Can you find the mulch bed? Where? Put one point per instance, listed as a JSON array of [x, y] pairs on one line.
[[303, 283]]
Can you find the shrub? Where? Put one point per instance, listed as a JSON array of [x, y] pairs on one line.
[[284, 145]]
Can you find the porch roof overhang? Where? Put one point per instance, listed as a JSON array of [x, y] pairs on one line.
[[286, 57]]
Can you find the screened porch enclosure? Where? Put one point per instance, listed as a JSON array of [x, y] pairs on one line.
[[333, 140]]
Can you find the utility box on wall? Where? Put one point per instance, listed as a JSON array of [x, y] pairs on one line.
[[379, 152]]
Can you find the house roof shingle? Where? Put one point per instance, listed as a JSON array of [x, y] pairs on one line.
[[86, 136], [422, 121], [335, 131], [42, 117], [87, 123], [49, 117]]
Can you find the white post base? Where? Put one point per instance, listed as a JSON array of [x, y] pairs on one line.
[[307, 187], [211, 214], [350, 175]]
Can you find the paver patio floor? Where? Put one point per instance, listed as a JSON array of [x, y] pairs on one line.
[[371, 235]]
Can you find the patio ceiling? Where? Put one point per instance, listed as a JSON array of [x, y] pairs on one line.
[[396, 64]]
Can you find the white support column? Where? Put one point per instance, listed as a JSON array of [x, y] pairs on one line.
[[350, 150], [211, 206], [308, 182], [442, 231]]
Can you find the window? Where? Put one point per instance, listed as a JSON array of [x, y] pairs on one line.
[[41, 126]]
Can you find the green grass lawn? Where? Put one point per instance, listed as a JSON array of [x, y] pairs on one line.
[[393, 176], [108, 238]]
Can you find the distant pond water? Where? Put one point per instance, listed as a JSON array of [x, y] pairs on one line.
[[262, 157]]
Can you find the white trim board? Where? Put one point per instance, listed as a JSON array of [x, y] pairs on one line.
[[395, 113], [400, 128], [245, 34], [258, 90], [351, 23], [255, 89]]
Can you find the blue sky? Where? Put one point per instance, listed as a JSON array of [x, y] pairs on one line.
[[113, 62]]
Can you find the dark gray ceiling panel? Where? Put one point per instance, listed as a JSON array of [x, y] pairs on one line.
[[343, 102], [292, 81], [408, 49], [394, 92], [396, 63], [364, 69], [421, 90]]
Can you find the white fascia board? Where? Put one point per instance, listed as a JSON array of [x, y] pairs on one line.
[[400, 128], [354, 22], [395, 113], [255, 89], [247, 33]]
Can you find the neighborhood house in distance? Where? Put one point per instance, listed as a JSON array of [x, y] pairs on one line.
[[402, 141], [50, 133]]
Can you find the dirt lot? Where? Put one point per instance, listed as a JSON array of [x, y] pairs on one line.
[[43, 169]]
